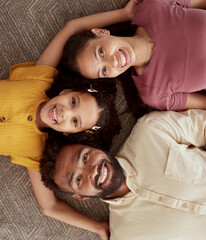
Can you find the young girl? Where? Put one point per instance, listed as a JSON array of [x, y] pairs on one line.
[[27, 112], [167, 52]]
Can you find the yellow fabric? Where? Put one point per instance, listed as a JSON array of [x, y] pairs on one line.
[[20, 95], [167, 179]]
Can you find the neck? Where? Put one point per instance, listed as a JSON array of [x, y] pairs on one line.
[[120, 192], [39, 124]]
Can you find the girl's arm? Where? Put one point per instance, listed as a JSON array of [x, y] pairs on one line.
[[198, 4], [195, 100], [53, 53], [55, 208]]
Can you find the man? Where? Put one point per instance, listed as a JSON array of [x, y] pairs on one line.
[[156, 189]]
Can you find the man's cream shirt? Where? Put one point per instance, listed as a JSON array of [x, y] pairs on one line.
[[166, 173]]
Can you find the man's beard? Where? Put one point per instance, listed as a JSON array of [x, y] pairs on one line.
[[116, 180]]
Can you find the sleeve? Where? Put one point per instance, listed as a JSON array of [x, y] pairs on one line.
[[176, 101], [182, 3], [29, 71], [187, 127], [28, 162]]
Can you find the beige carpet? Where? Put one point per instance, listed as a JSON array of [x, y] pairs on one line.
[[26, 27]]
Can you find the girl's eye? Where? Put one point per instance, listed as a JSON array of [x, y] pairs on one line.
[[104, 71], [85, 157], [78, 180], [75, 122], [101, 52], [73, 102]]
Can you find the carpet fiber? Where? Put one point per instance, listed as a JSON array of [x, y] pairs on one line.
[[27, 26]]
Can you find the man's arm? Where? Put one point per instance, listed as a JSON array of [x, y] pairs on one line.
[[198, 4], [53, 53], [53, 207]]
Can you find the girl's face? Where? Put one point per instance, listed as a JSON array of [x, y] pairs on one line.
[[70, 112], [106, 56]]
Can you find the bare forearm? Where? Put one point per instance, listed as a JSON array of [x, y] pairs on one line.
[[65, 213], [198, 4], [53, 53]]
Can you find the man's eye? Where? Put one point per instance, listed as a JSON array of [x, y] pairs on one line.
[[104, 71], [75, 122], [101, 52], [73, 102], [78, 180], [85, 157]]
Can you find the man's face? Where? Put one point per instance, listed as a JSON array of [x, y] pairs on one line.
[[87, 171]]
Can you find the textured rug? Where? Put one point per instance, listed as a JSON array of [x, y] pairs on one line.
[[26, 28]]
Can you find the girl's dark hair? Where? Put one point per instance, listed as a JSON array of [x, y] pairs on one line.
[[105, 98]]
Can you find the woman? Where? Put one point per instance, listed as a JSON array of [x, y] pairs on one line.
[[167, 52]]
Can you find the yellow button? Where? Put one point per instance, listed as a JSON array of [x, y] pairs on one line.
[[2, 119], [30, 118]]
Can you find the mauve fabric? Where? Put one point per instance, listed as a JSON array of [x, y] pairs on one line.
[[177, 66]]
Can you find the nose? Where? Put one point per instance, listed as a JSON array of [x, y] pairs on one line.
[[92, 171], [66, 112], [114, 61], [110, 61]]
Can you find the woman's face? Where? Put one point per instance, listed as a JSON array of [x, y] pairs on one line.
[[70, 112], [105, 57]]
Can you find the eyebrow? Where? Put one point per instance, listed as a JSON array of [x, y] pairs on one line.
[[77, 160], [95, 50]]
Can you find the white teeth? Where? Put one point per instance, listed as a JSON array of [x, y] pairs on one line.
[[123, 59], [55, 114], [104, 175]]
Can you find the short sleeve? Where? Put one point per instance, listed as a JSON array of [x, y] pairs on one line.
[[173, 3], [176, 101], [29, 71], [28, 162]]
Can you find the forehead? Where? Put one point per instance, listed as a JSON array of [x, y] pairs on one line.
[[68, 153]]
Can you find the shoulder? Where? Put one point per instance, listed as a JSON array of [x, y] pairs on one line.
[[31, 71]]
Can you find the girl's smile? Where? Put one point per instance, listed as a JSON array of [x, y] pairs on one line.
[[70, 112]]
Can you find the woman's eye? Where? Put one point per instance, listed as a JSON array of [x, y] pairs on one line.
[[101, 52], [73, 102], [78, 180], [104, 71], [75, 122], [85, 157]]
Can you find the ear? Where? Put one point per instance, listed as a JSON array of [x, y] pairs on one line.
[[79, 197], [65, 91], [66, 134], [100, 32]]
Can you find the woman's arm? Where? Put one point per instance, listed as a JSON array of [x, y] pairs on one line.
[[53, 53], [55, 208], [198, 4], [195, 100]]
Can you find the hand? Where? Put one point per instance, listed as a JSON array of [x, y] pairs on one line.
[[103, 230], [130, 8]]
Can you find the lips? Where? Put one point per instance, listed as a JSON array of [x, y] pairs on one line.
[[104, 175], [124, 58], [53, 114]]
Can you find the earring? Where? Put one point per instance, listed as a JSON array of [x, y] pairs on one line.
[[96, 128], [91, 89], [89, 132]]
